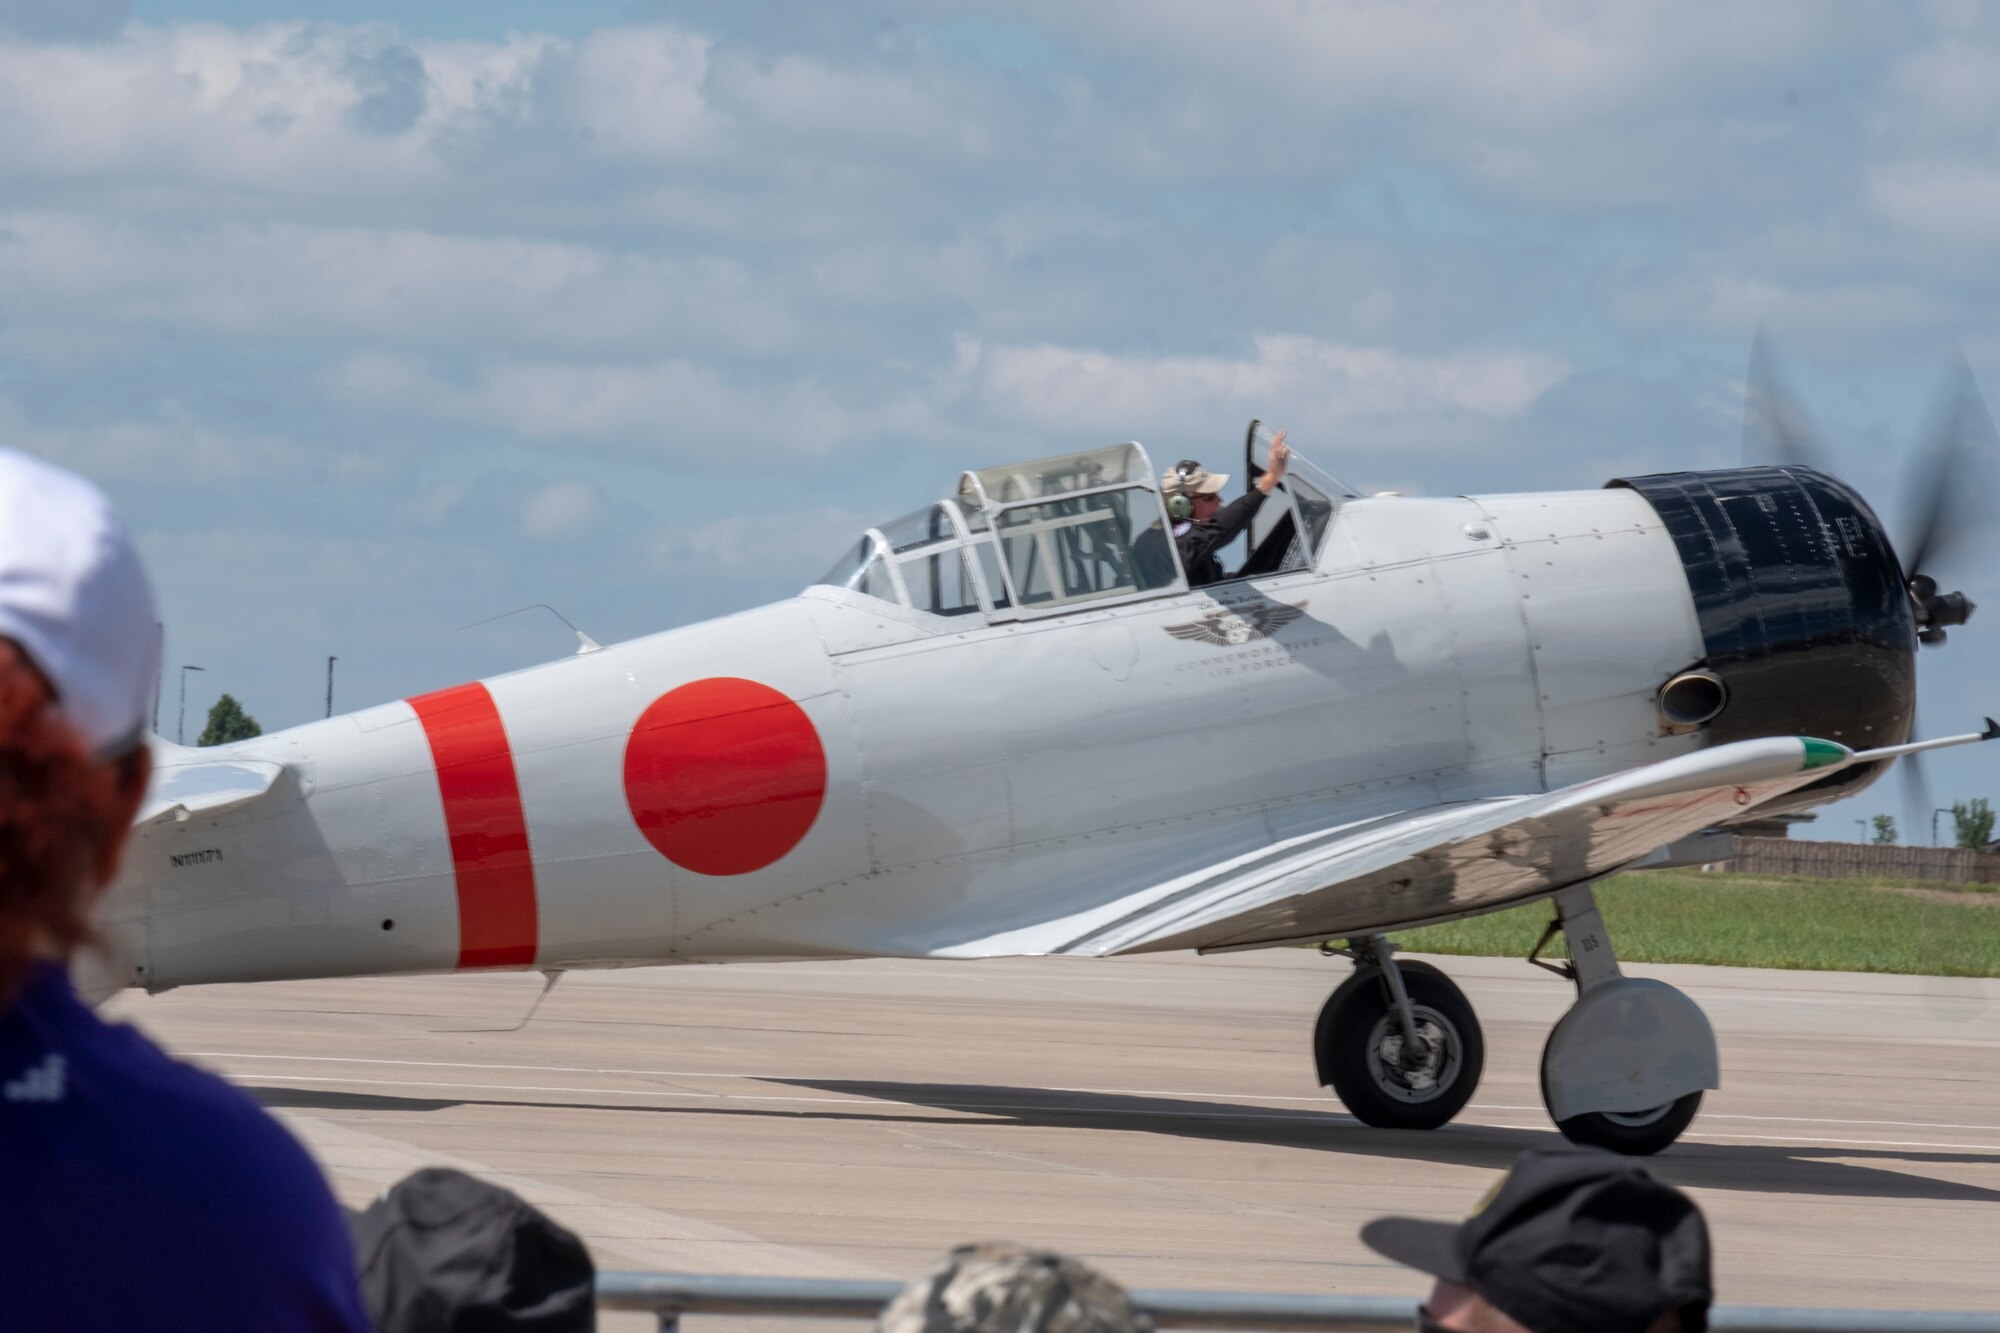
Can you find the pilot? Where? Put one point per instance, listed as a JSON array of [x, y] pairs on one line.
[[1204, 525], [140, 1192]]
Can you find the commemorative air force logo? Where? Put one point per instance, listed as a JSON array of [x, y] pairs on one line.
[[1226, 628]]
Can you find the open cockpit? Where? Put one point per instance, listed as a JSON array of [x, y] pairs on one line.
[[1087, 529]]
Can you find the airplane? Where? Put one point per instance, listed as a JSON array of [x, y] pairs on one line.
[[998, 727]]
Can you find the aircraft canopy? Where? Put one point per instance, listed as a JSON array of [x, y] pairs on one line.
[[1040, 538]]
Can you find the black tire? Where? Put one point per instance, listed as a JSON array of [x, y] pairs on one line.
[[1356, 1041], [1639, 1135]]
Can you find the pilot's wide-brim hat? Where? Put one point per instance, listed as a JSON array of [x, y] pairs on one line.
[[1188, 477]]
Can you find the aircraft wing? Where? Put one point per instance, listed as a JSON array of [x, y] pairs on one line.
[[182, 791], [1386, 873]]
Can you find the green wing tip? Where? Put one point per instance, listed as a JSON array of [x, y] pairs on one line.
[[1821, 753]]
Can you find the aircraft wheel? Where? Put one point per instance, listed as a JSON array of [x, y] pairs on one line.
[[1634, 1133], [1358, 1046]]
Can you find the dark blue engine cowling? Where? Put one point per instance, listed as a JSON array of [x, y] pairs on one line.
[[1805, 610]]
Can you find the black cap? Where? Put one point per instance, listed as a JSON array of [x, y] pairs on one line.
[[1572, 1240], [444, 1252]]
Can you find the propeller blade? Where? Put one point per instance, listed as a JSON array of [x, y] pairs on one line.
[[1776, 430], [1917, 805], [1950, 483]]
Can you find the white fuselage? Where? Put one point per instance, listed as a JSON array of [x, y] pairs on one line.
[[978, 777]]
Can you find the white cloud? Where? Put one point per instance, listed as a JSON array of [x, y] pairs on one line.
[[1950, 200], [637, 92], [977, 264], [1954, 83], [1553, 106], [264, 107], [809, 100], [300, 282], [171, 441], [299, 110], [1516, 64], [682, 408], [1286, 377], [1735, 301], [296, 118], [798, 548], [665, 408], [561, 509]]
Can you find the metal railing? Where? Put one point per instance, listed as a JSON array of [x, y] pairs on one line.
[[671, 1295]]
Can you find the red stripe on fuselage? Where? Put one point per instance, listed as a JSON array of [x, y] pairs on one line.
[[490, 859]]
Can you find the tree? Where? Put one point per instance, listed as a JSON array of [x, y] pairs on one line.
[[1885, 830], [1974, 822], [228, 722]]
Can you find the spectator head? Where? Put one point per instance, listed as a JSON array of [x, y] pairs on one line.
[[1572, 1240], [1000, 1288], [78, 660]]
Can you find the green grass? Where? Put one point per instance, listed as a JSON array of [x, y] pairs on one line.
[[1835, 925]]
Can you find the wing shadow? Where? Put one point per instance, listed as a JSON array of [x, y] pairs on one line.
[[1760, 1168]]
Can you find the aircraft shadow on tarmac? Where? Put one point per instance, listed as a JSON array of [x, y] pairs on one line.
[[1764, 1167]]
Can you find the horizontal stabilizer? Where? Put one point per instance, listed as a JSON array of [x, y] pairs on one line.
[[182, 791]]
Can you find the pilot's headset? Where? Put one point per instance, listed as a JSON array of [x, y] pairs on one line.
[[1179, 484]]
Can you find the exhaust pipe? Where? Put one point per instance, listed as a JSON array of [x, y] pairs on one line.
[[1690, 700]]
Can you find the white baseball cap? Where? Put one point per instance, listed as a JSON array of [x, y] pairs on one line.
[[75, 598]]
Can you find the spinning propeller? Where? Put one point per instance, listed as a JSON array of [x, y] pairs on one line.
[[1948, 494], [1944, 503]]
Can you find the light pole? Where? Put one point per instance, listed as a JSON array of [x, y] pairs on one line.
[[159, 669], [1941, 810], [181, 727], [1864, 829]]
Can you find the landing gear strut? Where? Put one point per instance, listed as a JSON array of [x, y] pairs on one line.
[[1625, 1068], [1398, 1041]]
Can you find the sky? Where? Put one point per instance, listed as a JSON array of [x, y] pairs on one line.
[[380, 320]]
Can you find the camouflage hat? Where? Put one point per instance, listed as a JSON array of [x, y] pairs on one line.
[[999, 1288]]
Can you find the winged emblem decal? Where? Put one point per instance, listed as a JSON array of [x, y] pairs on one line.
[[1225, 628]]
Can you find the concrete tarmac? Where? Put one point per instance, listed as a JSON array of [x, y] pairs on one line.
[[1157, 1116]]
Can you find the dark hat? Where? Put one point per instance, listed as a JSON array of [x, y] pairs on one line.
[[1572, 1240], [444, 1252]]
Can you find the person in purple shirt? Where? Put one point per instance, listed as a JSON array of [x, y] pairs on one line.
[[135, 1191]]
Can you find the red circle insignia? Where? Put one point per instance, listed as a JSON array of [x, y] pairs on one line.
[[724, 776]]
